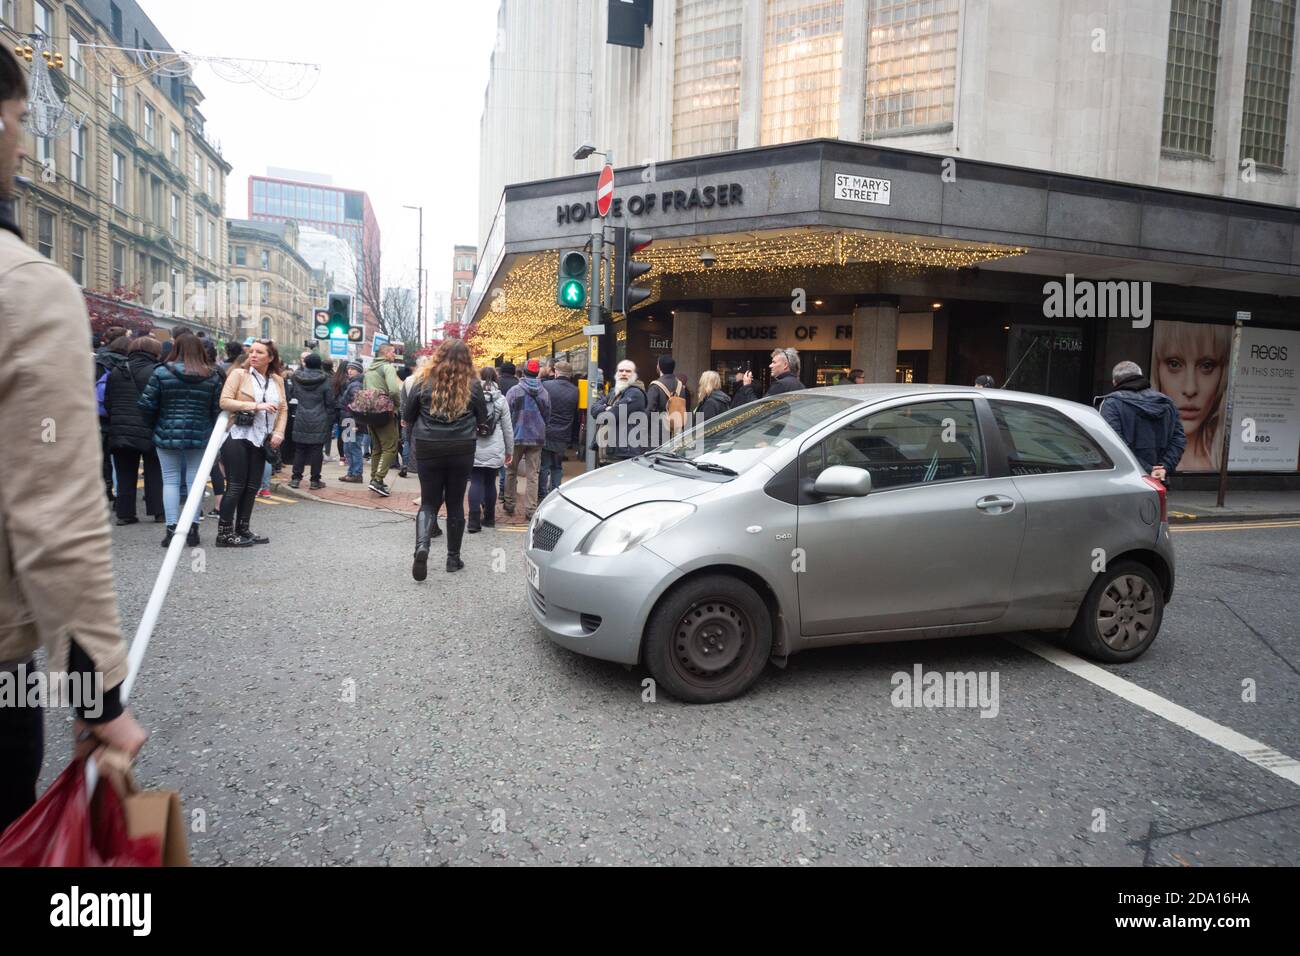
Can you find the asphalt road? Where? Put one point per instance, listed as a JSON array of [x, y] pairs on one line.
[[470, 739]]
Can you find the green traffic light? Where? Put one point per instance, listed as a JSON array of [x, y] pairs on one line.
[[573, 293]]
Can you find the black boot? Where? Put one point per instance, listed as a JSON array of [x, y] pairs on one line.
[[473, 525], [423, 524], [192, 539], [242, 531], [435, 531], [227, 538], [455, 534], [167, 538]]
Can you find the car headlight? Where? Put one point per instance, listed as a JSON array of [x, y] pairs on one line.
[[627, 529]]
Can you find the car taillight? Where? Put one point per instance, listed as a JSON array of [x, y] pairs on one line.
[[1159, 486]]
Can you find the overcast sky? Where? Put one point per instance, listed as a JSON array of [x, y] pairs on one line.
[[395, 111]]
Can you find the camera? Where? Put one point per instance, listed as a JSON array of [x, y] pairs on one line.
[[707, 258]]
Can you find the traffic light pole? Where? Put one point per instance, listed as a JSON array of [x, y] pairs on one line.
[[595, 302]]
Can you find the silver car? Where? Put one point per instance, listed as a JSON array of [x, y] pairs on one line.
[[848, 515]]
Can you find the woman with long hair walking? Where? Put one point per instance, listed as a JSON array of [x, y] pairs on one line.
[[445, 408], [255, 397]]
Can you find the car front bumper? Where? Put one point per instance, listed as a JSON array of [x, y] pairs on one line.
[[596, 606]]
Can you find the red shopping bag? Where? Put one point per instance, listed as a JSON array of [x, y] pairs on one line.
[[65, 828]]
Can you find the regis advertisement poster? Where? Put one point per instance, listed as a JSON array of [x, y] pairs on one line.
[[1189, 363]]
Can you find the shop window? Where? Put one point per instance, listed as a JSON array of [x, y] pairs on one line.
[[1191, 76], [909, 445], [706, 76], [911, 66], [1042, 441], [1268, 82]]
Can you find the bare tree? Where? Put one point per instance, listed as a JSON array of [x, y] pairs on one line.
[[400, 319]]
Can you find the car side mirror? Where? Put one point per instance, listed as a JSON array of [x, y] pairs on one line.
[[843, 481]]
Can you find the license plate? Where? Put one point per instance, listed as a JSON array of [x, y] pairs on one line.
[[534, 573]]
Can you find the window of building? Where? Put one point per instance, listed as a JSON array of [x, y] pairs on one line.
[[175, 146], [1041, 441], [149, 124], [213, 251], [115, 93], [45, 233], [198, 171], [7, 11], [77, 242], [266, 328], [803, 50], [44, 19], [706, 76], [1191, 76], [119, 180], [174, 220], [198, 233], [266, 260], [115, 19], [212, 181], [1268, 82], [909, 445], [241, 294], [266, 292], [45, 152], [76, 62], [911, 66], [78, 147], [241, 255], [119, 265]]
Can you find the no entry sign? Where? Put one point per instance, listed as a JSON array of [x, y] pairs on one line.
[[605, 190]]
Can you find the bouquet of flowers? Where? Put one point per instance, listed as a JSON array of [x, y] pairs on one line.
[[372, 407]]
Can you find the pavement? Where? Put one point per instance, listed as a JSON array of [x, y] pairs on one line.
[[314, 705], [1194, 506]]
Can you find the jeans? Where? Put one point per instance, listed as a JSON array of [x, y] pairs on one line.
[[244, 461], [527, 461], [406, 448], [126, 461], [179, 467], [352, 451], [382, 458], [266, 478], [501, 480], [483, 496], [552, 473]]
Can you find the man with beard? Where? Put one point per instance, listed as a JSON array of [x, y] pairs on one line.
[[625, 416]]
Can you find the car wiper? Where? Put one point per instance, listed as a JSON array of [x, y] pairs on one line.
[[708, 466]]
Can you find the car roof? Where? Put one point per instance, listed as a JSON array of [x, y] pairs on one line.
[[882, 391]]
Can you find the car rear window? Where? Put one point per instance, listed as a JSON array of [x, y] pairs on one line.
[[1042, 441]]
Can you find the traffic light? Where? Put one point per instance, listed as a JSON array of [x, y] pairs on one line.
[[571, 283], [627, 270], [340, 314]]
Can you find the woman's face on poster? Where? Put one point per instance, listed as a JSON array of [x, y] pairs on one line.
[[1192, 381]]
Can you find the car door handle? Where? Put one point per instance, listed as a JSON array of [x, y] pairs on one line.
[[995, 504]]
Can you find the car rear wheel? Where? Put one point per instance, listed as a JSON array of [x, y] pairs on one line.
[[1121, 614], [708, 639]]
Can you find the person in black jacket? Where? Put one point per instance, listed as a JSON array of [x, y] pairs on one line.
[[744, 389], [559, 427], [506, 383], [310, 388], [785, 372], [666, 386], [130, 437], [109, 357], [623, 422], [444, 406], [713, 400]]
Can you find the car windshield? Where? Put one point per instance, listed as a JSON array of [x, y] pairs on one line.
[[745, 435]]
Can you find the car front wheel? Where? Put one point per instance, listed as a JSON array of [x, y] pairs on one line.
[[1121, 614], [708, 639]]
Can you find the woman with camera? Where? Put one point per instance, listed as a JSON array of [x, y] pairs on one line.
[[254, 394]]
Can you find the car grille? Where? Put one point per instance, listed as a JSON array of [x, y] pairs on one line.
[[589, 622], [546, 535]]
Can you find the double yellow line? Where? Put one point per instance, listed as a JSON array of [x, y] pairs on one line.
[[1236, 525]]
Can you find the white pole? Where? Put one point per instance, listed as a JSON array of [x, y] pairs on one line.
[[193, 502]]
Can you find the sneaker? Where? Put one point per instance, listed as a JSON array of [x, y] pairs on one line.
[[126, 521], [379, 488], [401, 473], [214, 513], [295, 482], [264, 493], [352, 479], [343, 462], [316, 484]]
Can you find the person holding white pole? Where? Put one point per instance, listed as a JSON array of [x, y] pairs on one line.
[[56, 574]]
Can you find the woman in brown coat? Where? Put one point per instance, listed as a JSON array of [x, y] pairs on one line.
[[255, 397]]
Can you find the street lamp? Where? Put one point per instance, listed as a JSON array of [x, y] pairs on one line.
[[595, 305], [419, 279]]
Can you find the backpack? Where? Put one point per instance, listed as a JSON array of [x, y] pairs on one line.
[[101, 389], [494, 415], [676, 411]]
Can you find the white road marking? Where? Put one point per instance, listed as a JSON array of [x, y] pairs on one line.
[[1288, 768]]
